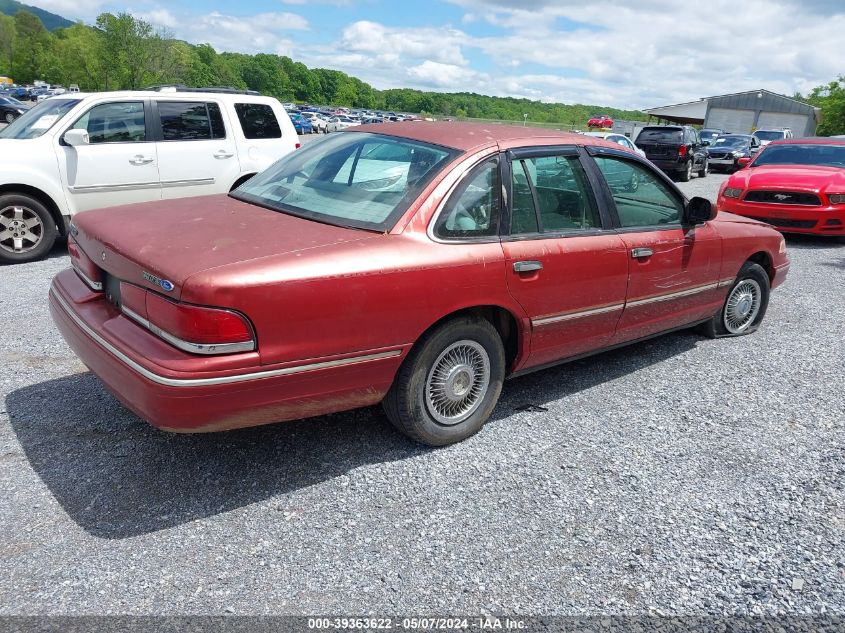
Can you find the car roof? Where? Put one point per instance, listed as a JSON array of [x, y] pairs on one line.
[[810, 140], [465, 136], [182, 96]]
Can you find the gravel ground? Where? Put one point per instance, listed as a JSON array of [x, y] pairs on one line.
[[678, 476]]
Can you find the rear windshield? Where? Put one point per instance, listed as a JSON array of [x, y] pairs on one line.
[[769, 135], [658, 135], [794, 154], [355, 179], [33, 123]]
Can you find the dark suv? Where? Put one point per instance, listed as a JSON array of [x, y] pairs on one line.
[[676, 149]]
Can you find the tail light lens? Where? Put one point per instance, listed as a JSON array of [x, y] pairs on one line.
[[682, 151], [298, 145], [191, 328]]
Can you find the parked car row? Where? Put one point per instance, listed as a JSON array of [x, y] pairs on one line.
[[328, 119]]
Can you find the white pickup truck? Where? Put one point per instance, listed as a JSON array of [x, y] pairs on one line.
[[76, 151]]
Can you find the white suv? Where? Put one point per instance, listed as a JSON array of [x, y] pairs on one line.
[[767, 136], [75, 152]]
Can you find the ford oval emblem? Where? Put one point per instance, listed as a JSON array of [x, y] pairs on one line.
[[166, 285]]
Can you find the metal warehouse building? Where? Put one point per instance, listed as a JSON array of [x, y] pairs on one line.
[[743, 113]]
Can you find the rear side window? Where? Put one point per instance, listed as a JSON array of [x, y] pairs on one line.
[[190, 121], [658, 135], [258, 120]]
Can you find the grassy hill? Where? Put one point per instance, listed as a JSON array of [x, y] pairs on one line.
[[51, 21]]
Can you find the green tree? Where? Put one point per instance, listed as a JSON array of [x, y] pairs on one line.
[[32, 47], [831, 99], [78, 57], [134, 54], [7, 43]]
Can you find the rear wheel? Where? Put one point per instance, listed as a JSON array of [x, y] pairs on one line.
[[449, 385], [686, 174], [745, 305], [705, 169], [27, 230]]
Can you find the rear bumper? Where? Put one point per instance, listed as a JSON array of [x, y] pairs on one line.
[[200, 401], [669, 165], [790, 218]]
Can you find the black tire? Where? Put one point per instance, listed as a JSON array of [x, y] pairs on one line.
[[10, 224], [705, 169], [718, 326], [408, 405], [9, 117], [686, 174]]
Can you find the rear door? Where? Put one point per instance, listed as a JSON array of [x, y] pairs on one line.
[[119, 165], [196, 151], [673, 279], [565, 265]]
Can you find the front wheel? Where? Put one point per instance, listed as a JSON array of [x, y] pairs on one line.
[[745, 305], [449, 384], [9, 117], [27, 230]]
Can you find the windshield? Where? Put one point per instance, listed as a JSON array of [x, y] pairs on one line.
[[730, 141], [708, 135], [659, 135], [768, 135], [355, 180], [11, 101], [39, 119], [794, 154]]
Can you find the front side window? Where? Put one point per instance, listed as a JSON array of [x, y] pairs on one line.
[[190, 121], [121, 122], [557, 187], [354, 179], [258, 120], [34, 122], [641, 197], [473, 210]]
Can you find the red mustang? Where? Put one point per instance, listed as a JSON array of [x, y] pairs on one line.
[[600, 120], [797, 186], [414, 264]]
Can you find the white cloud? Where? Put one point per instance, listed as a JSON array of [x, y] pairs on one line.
[[441, 45], [70, 9]]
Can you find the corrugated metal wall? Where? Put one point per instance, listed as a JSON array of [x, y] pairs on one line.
[[769, 111]]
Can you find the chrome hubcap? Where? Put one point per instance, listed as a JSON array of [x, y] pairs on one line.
[[742, 306], [21, 229], [457, 382]]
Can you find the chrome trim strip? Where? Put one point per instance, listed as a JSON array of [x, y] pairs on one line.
[[93, 285], [222, 380], [121, 187], [726, 282], [576, 315], [187, 346], [673, 295], [189, 182]]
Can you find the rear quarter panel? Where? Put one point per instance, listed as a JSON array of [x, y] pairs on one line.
[[744, 239]]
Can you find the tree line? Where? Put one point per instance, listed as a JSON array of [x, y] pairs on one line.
[[122, 52]]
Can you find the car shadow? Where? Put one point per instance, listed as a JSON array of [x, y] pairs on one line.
[[118, 477], [812, 242]]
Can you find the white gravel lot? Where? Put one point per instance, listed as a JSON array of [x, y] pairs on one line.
[[679, 476]]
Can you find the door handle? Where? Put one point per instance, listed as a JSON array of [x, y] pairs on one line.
[[637, 253], [223, 154], [140, 159], [527, 266]]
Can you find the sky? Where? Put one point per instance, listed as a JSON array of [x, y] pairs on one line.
[[629, 54]]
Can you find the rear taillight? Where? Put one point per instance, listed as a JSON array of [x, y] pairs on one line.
[[682, 151], [84, 267], [298, 145], [195, 329]]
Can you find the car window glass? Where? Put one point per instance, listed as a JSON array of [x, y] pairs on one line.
[[258, 120], [121, 122], [473, 210], [523, 213], [641, 197], [185, 121], [562, 193], [218, 130]]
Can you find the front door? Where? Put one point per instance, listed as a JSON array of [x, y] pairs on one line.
[[119, 165], [563, 267], [673, 268], [197, 157]]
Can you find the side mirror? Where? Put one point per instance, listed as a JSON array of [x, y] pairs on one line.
[[700, 210], [74, 138], [744, 161]]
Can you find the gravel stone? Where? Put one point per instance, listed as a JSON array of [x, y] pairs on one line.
[[677, 476]]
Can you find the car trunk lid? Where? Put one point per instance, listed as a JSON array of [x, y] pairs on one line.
[[160, 245]]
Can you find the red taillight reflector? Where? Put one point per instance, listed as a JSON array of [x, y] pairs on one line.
[[86, 269], [682, 151], [195, 324], [298, 145]]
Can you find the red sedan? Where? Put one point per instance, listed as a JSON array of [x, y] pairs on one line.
[[413, 264], [797, 186], [600, 120]]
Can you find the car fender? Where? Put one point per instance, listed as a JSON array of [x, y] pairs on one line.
[[43, 178]]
